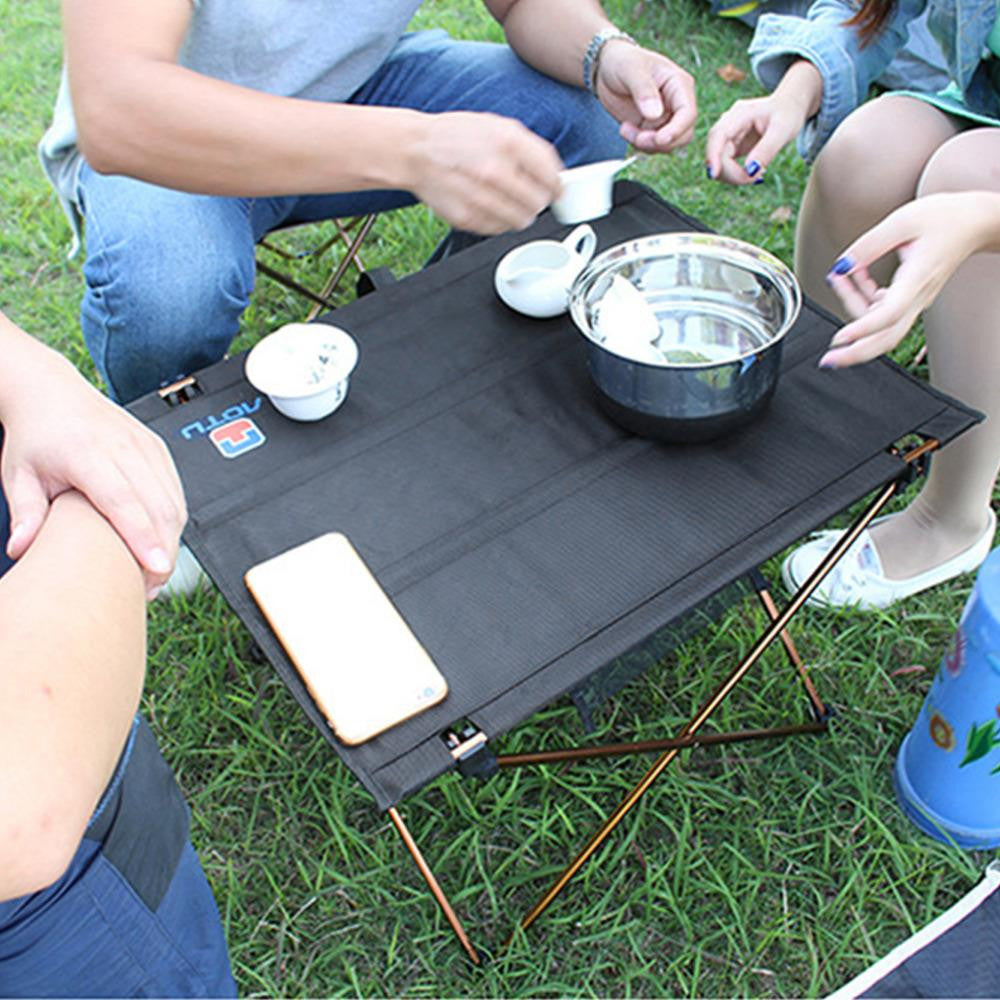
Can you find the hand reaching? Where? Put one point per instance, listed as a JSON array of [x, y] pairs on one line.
[[484, 173], [932, 236]]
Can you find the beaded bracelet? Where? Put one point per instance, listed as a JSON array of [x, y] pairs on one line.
[[593, 55]]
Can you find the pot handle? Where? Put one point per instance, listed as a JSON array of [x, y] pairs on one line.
[[582, 243]]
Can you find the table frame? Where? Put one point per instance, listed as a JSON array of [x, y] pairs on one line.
[[916, 460]]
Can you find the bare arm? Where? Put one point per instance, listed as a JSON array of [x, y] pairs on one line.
[[141, 114], [72, 660], [551, 35]]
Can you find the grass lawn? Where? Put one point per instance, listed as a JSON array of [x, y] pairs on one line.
[[766, 869]]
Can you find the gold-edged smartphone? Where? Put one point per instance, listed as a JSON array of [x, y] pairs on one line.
[[357, 656]]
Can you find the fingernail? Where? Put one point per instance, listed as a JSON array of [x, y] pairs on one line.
[[760, 180], [752, 168], [158, 561], [843, 265], [828, 280], [709, 173], [825, 362]]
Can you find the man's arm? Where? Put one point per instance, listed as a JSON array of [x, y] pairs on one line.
[[141, 114], [551, 35], [72, 661]]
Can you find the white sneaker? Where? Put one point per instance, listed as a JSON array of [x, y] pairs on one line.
[[858, 580], [187, 577]]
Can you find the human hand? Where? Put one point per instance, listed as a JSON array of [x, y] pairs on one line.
[[759, 128], [755, 130], [61, 434], [651, 96], [932, 236], [484, 173]]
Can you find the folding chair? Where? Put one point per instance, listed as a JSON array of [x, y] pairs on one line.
[[564, 541], [351, 232]]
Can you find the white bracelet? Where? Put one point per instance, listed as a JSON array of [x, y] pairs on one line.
[[592, 57]]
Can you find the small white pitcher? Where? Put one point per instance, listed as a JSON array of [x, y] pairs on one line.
[[535, 278]]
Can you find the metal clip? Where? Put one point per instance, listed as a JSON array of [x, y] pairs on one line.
[[470, 749], [180, 392]]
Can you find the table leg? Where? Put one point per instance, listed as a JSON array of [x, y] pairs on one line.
[[776, 628], [433, 885], [818, 709]]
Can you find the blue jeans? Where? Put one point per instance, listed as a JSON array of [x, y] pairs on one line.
[[89, 934], [168, 274]]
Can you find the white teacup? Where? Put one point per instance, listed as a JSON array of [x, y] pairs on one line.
[[587, 191], [303, 368], [535, 278]]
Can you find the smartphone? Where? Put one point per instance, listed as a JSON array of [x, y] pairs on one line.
[[363, 666]]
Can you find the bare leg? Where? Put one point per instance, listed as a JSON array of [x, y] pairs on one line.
[[963, 339], [871, 165], [885, 154]]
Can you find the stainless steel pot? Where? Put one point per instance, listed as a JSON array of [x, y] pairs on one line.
[[684, 332]]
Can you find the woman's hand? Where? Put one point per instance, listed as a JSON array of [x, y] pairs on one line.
[[932, 236], [756, 130]]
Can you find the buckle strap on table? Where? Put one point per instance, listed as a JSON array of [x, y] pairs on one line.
[[918, 460], [470, 748], [180, 392]]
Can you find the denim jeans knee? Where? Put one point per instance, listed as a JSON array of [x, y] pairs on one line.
[[168, 275]]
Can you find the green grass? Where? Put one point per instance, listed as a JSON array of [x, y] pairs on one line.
[[762, 869]]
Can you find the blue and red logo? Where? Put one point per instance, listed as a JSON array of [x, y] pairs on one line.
[[237, 437]]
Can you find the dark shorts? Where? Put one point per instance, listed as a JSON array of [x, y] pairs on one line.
[[91, 935]]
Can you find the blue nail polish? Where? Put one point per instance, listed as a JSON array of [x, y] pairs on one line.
[[760, 180], [825, 365], [828, 280], [708, 172], [752, 168], [843, 265]]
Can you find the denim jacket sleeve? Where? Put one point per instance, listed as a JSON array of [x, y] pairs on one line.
[[847, 68]]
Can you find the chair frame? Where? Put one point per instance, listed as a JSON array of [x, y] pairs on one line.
[[351, 232]]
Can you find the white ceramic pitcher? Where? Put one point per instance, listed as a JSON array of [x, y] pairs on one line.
[[535, 278]]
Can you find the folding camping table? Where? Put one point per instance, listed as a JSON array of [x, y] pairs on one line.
[[526, 539]]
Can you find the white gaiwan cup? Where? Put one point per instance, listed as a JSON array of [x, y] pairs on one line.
[[535, 278], [303, 368], [587, 191]]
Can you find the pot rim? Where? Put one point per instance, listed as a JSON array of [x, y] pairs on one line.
[[723, 247]]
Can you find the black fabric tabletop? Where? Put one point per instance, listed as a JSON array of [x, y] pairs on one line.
[[526, 539]]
